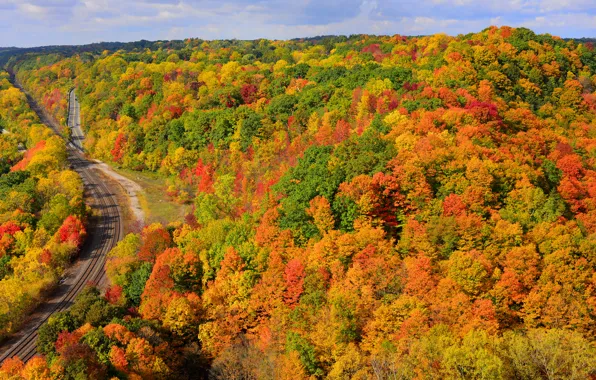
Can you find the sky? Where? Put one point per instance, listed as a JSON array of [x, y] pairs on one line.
[[26, 23]]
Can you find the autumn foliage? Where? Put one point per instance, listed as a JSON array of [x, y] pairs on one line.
[[72, 231], [41, 210], [364, 207]]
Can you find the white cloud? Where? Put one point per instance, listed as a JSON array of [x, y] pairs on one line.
[[39, 22], [562, 20], [33, 10], [546, 6]]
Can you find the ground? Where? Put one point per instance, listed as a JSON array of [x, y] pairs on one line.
[[154, 205]]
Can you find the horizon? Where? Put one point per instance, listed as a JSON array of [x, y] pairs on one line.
[[38, 23], [271, 39]]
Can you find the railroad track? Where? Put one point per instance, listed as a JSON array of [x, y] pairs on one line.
[[104, 232]]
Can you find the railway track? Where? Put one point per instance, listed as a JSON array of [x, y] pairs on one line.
[[105, 230]]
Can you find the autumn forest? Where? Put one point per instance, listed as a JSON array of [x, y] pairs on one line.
[[363, 207]]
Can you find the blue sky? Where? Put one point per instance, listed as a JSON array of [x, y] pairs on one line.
[[49, 22]]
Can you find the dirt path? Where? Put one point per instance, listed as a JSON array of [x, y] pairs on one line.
[[131, 189]]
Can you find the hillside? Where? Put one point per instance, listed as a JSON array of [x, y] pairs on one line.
[[364, 207], [41, 209]]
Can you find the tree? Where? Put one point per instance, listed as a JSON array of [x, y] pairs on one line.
[[183, 315], [155, 239], [549, 354], [294, 276], [475, 358], [72, 231]]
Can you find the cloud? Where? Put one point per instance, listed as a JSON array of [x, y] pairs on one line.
[[41, 22], [47, 11], [32, 10]]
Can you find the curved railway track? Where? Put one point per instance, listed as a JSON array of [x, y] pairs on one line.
[[105, 230]]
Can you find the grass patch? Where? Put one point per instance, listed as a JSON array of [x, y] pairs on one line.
[[153, 200]]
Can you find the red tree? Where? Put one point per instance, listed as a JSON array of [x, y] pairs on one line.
[[118, 150], [294, 276], [155, 241], [72, 231], [248, 93]]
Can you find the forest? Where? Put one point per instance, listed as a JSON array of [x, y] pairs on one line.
[[42, 213], [383, 207]]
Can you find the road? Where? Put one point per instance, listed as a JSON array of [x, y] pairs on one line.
[[104, 231], [74, 120]]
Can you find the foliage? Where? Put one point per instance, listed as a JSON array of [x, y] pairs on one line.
[[365, 207], [42, 213]]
